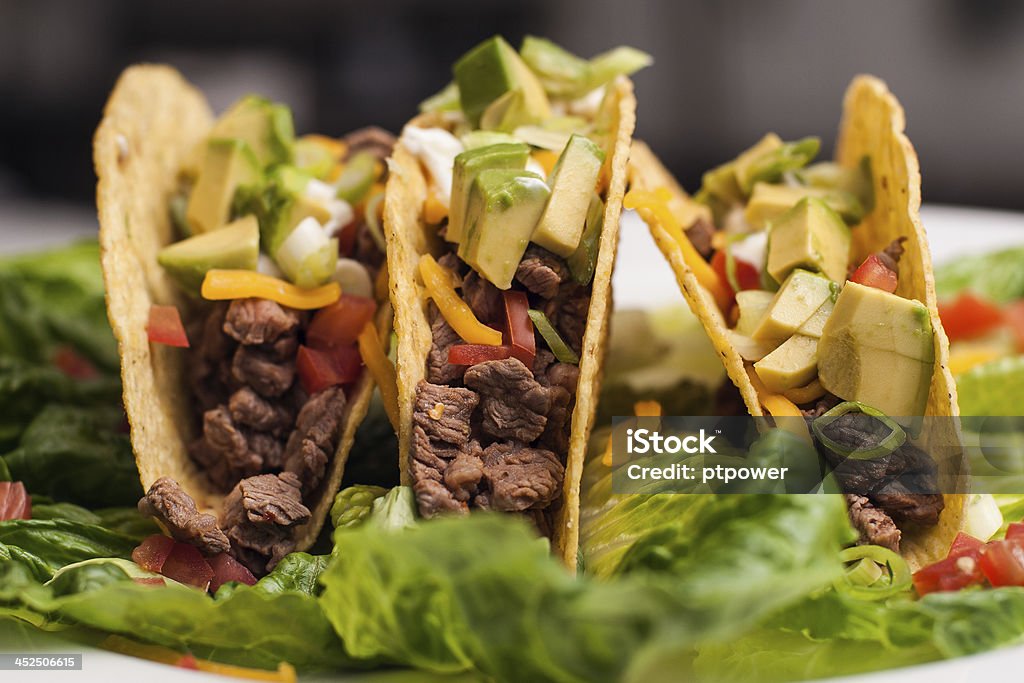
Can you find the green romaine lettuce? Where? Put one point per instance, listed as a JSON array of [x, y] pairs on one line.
[[60, 542], [997, 276]]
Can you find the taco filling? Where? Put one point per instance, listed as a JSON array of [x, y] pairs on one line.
[[822, 335], [517, 160], [280, 249]]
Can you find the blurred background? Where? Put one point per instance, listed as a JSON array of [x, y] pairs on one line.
[[725, 72]]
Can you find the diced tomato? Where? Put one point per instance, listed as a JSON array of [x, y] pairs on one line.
[[471, 354], [185, 564], [950, 574], [1014, 316], [165, 326], [969, 316], [187, 662], [347, 239], [15, 502], [1003, 562], [153, 552], [340, 323], [747, 276], [874, 273], [226, 568], [321, 369], [518, 327], [150, 581], [74, 364], [965, 545], [1015, 531]]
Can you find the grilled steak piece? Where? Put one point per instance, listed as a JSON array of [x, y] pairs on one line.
[[700, 234], [371, 139], [463, 474], [315, 437], [915, 508], [260, 321], [521, 478], [267, 375], [252, 410], [223, 450], [433, 498], [273, 499], [177, 512], [439, 370], [874, 526], [483, 297], [541, 272], [443, 413], [513, 404], [568, 313]]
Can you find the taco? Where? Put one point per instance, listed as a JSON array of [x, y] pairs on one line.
[[814, 283], [224, 236], [502, 216]]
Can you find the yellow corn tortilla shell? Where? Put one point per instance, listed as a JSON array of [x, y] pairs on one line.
[[409, 237], [153, 124], [873, 124]]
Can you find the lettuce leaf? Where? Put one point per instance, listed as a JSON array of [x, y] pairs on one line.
[[60, 542], [256, 626], [995, 388], [997, 276]]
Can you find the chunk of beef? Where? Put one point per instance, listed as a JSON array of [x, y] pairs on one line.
[[252, 410], [177, 512], [556, 430], [565, 375], [223, 451], [462, 476], [541, 362], [259, 546], [542, 272], [269, 448], [372, 139], [700, 235], [521, 478], [513, 404], [427, 463], [449, 261], [890, 256], [208, 358], [439, 370], [568, 313], [483, 297], [260, 370], [313, 442], [444, 412], [916, 508], [273, 499], [433, 498], [259, 321], [874, 526], [821, 406]]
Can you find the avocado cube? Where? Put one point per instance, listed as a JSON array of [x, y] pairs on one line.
[[815, 325], [810, 236], [744, 165], [768, 202], [283, 204], [752, 304], [572, 183], [491, 70], [800, 296], [583, 261], [228, 164], [878, 348], [503, 209], [235, 246], [792, 365], [468, 166], [265, 125]]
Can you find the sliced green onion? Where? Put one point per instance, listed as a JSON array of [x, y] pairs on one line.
[[730, 267], [307, 256], [373, 223], [445, 100], [893, 573], [896, 438], [555, 342], [583, 262], [357, 177]]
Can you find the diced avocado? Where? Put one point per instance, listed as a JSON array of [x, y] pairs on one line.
[[742, 165], [235, 246], [228, 164], [357, 177], [770, 164], [485, 138], [491, 71], [467, 167], [810, 236], [583, 261], [857, 181], [877, 348], [572, 182], [719, 186], [504, 206], [768, 202], [280, 203], [800, 296], [793, 364], [752, 304], [265, 125], [816, 323]]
